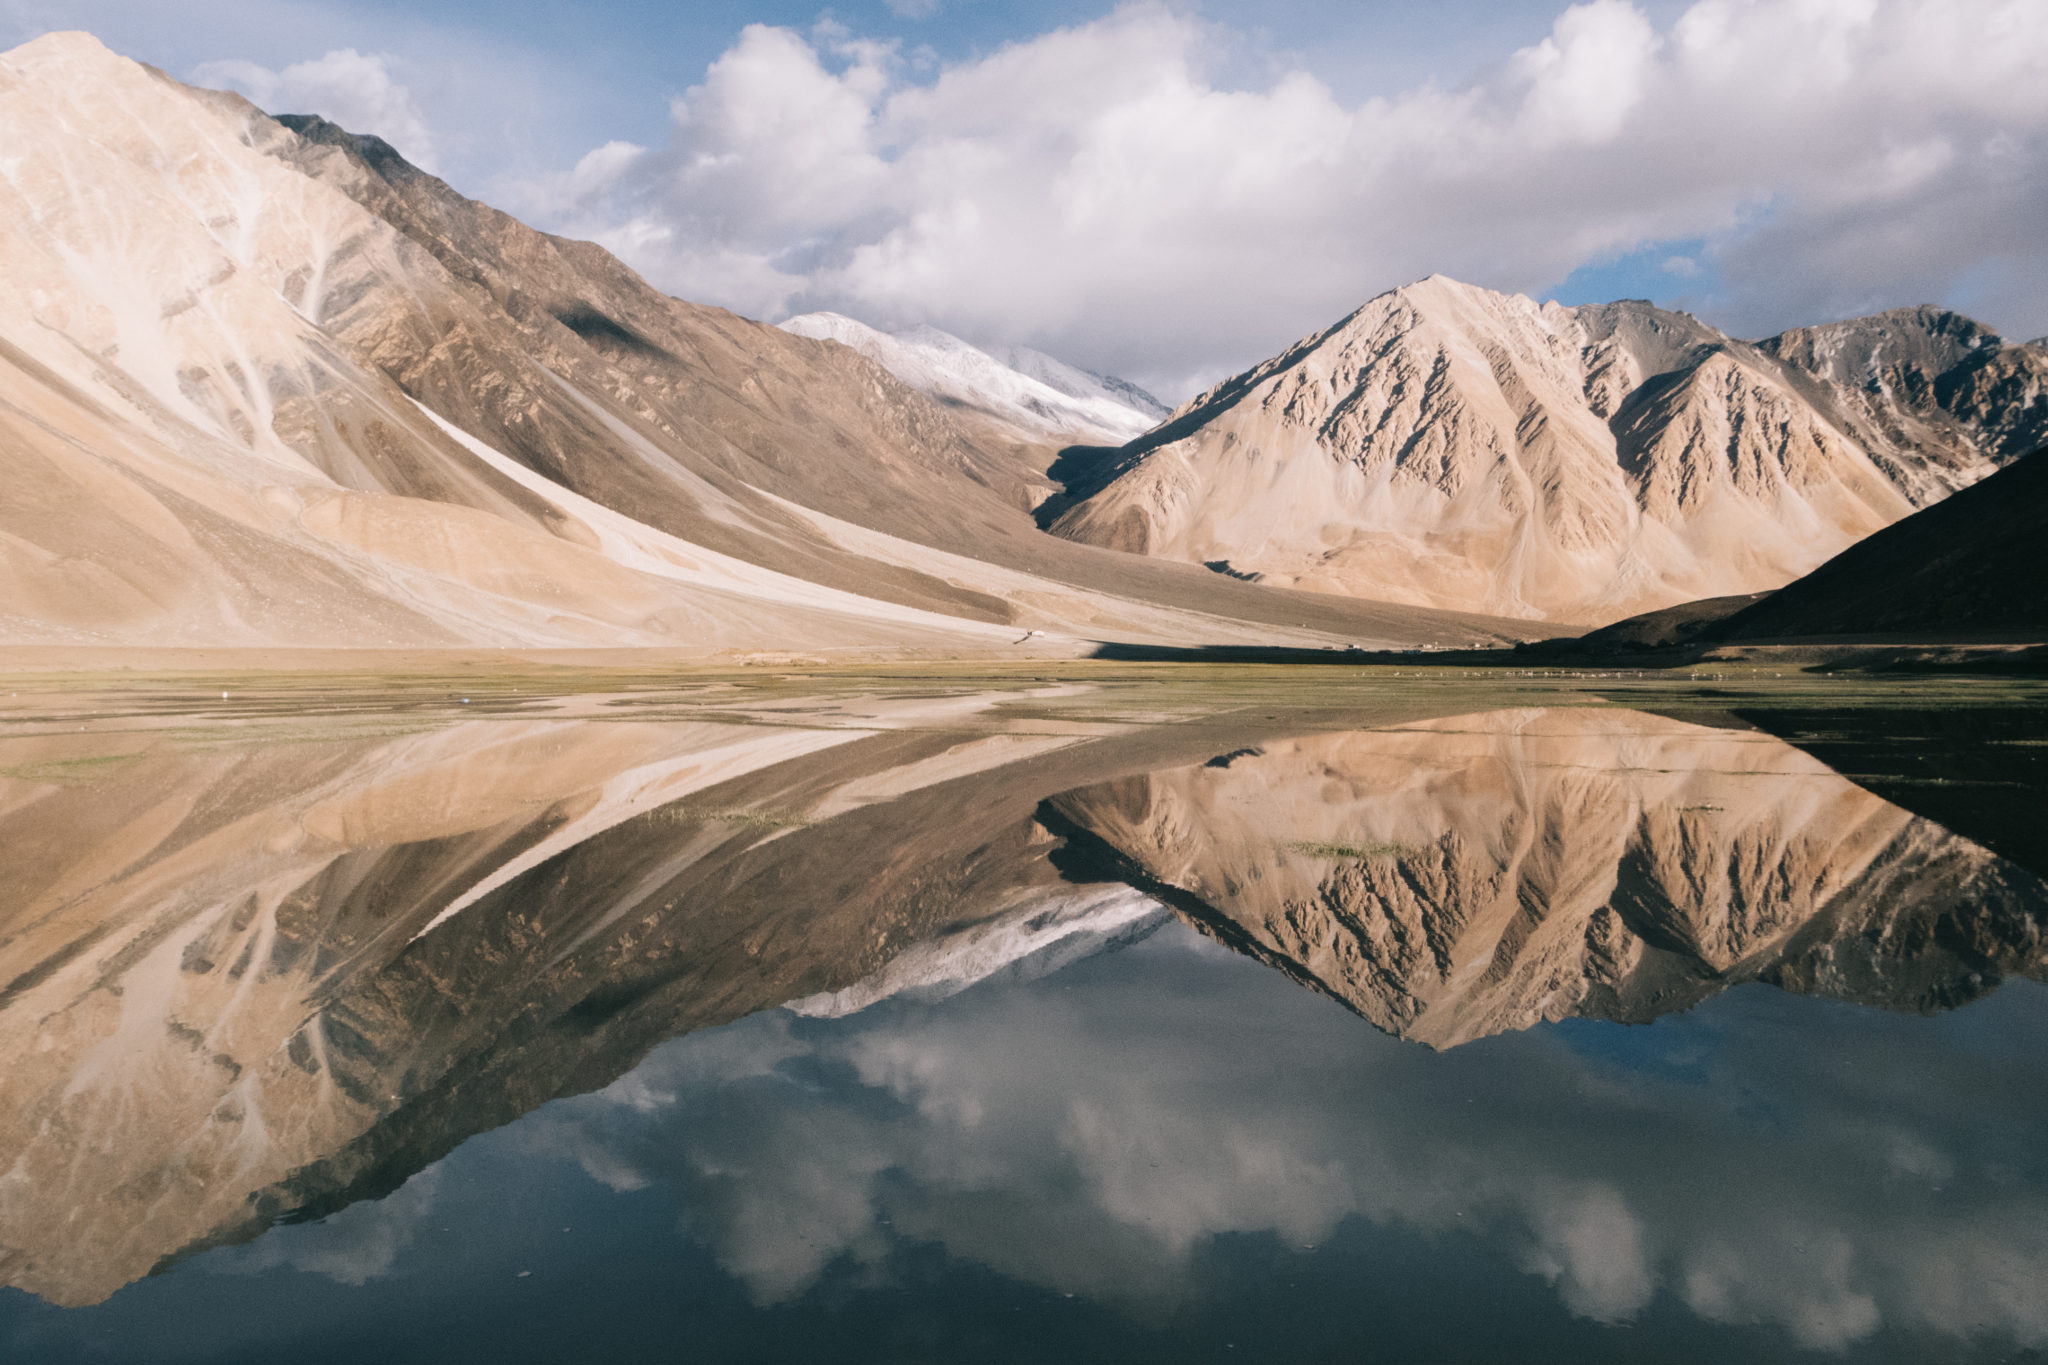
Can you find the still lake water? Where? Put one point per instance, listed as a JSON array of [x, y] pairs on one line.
[[1139, 1015]]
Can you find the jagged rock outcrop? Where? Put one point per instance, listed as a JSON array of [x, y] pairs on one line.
[[1936, 399], [1451, 446]]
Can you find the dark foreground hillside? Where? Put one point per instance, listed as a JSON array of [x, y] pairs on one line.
[[1971, 565]]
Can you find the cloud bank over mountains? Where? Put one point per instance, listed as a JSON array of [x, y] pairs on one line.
[[1120, 194]]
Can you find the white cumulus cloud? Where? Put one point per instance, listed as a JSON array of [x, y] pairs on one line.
[[353, 89], [1102, 192]]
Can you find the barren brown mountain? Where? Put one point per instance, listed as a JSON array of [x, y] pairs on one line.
[[1459, 448], [264, 383]]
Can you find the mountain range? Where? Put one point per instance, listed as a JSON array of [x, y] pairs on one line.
[[1454, 447], [263, 383]]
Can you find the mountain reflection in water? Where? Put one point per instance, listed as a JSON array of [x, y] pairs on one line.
[[246, 984], [1459, 878]]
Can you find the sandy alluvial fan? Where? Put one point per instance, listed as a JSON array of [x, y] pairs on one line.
[[1454, 447], [263, 382]]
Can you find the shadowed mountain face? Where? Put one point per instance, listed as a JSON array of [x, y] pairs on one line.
[[1968, 569], [1452, 446], [1970, 566], [244, 980]]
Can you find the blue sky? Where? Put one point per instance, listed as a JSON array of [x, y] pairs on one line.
[[603, 71], [1174, 190]]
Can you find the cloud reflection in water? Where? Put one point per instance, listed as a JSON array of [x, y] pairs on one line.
[[1090, 1132]]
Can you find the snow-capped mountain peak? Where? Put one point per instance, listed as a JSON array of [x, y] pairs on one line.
[[1027, 395], [1078, 383]]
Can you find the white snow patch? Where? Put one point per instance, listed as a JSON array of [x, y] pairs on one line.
[[942, 365], [1037, 939]]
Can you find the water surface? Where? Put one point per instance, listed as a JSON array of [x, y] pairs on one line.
[[1257, 1015]]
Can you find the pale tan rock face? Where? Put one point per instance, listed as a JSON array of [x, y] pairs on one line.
[[1465, 877], [1454, 447], [203, 334], [264, 383]]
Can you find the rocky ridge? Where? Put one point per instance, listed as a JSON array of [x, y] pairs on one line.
[[1451, 446]]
